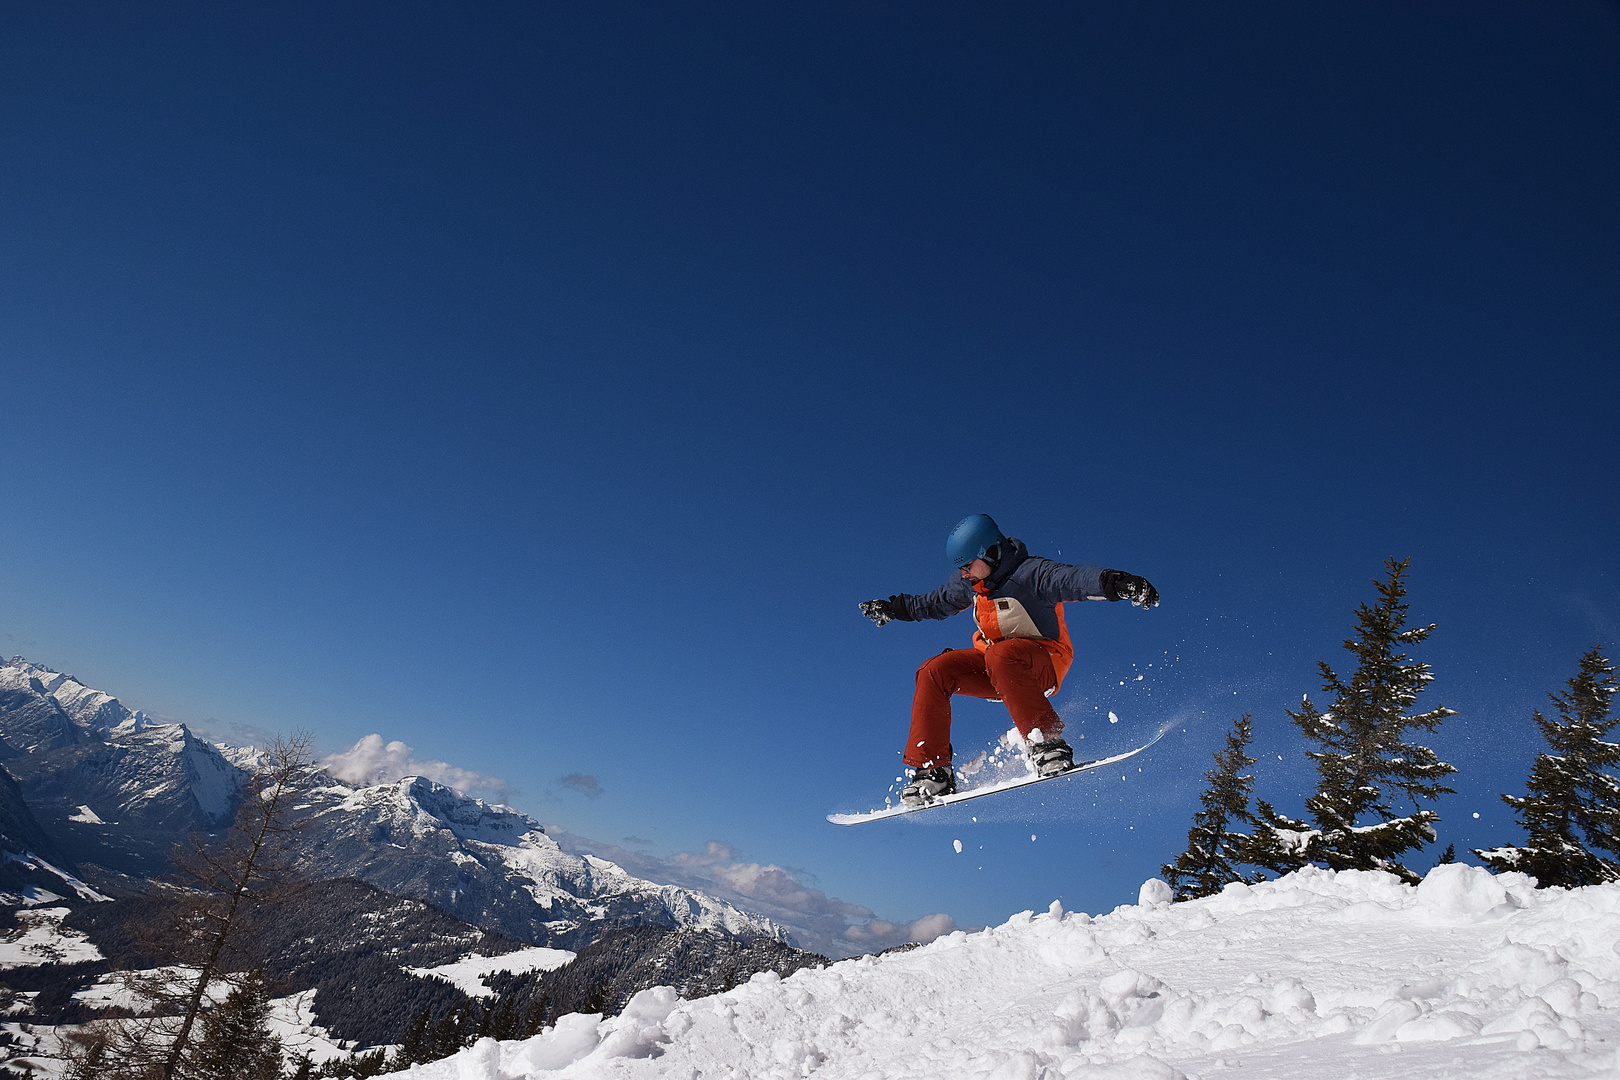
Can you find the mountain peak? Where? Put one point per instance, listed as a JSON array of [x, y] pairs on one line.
[[91, 708]]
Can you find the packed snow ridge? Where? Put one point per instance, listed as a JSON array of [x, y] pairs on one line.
[[1318, 974]]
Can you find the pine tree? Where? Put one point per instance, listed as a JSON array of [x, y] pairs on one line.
[[1213, 845], [372, 1064], [236, 1042], [413, 1047], [1571, 806], [1363, 766], [452, 1032], [535, 1020], [1278, 842]]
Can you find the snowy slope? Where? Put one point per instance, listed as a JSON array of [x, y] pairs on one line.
[[1317, 975]]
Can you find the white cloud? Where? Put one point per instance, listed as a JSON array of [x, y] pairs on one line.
[[821, 923], [221, 732], [371, 761], [929, 927]]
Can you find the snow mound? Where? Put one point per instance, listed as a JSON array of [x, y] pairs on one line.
[[1458, 893], [1316, 974]]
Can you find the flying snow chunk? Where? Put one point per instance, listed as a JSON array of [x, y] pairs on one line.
[[957, 844], [1112, 719]]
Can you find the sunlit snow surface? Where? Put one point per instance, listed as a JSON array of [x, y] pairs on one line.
[[1317, 975], [292, 1018], [467, 974], [40, 938]]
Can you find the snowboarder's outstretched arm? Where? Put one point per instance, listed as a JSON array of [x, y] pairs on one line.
[[1059, 581], [953, 596]]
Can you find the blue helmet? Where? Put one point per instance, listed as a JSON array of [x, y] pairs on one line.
[[972, 539]]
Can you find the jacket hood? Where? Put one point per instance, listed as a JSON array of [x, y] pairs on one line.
[[1013, 553]]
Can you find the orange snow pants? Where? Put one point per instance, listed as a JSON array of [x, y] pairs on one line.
[[1016, 671]]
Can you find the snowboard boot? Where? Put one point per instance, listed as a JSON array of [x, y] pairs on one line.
[[928, 784], [1051, 757]]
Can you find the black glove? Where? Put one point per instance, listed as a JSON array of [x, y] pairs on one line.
[[881, 611], [1118, 585]]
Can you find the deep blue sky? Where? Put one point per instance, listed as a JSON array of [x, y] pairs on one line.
[[543, 386]]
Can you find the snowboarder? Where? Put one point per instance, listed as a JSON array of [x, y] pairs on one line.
[[1020, 651]]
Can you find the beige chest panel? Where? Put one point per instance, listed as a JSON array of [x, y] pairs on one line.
[[1004, 617]]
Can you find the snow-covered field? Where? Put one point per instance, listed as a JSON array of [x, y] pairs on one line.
[[40, 938], [292, 1018], [1317, 976], [467, 974]]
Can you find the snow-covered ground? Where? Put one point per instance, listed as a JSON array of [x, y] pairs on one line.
[[1317, 976], [292, 1018], [467, 974], [40, 938]]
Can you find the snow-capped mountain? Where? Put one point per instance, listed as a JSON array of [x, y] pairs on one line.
[[92, 709], [112, 789], [1331, 976], [493, 866], [115, 791]]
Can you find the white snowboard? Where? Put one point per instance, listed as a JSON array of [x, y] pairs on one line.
[[988, 789]]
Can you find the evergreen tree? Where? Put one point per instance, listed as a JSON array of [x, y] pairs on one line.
[[452, 1032], [88, 1052], [534, 1021], [1213, 845], [236, 1042], [1572, 805], [1278, 842], [413, 1047], [499, 1021], [1363, 766], [372, 1064]]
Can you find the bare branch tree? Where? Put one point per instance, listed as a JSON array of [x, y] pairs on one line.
[[197, 930], [230, 878]]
